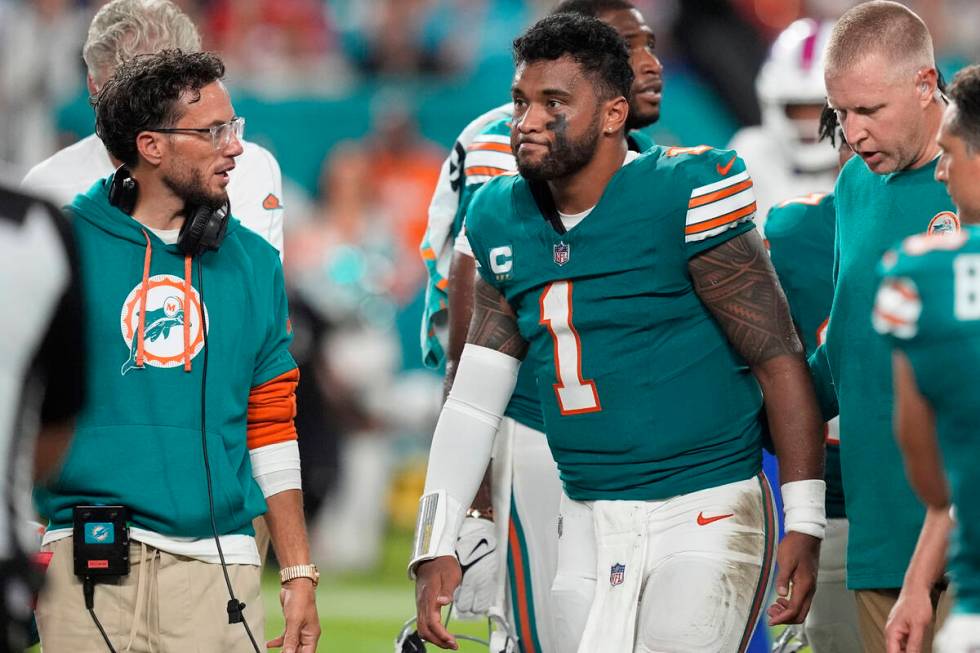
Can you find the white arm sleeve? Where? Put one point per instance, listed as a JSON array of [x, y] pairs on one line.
[[461, 448], [275, 467]]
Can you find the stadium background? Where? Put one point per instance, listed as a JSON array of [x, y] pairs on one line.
[[359, 101]]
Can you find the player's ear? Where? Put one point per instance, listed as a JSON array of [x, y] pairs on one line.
[[614, 115], [925, 85]]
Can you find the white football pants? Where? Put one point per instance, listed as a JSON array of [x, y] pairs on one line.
[[526, 487], [688, 574]]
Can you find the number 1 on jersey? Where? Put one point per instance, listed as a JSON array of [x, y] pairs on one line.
[[575, 394]]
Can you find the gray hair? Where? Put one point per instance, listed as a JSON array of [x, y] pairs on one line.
[[123, 29]]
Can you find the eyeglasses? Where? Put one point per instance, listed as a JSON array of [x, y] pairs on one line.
[[220, 134]]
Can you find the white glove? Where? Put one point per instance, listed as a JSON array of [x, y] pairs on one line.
[[476, 548]]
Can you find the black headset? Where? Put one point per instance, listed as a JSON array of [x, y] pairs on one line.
[[203, 230]]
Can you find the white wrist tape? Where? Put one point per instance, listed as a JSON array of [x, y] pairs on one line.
[[803, 507], [461, 448]]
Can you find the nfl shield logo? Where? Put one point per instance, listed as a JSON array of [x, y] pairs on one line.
[[616, 575], [562, 252]]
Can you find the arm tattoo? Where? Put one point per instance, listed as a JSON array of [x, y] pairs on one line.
[[494, 323], [738, 284]]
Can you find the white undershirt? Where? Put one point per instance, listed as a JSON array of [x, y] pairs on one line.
[[168, 236]]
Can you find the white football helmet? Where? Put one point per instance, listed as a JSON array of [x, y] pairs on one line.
[[793, 75]]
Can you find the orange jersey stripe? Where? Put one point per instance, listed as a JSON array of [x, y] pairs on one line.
[[442, 284], [708, 225], [493, 147], [271, 409], [429, 254], [490, 171], [701, 200], [905, 292], [891, 319]]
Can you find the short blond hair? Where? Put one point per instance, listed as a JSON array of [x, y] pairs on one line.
[[123, 29], [879, 27]]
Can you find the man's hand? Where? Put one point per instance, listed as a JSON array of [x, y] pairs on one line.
[[796, 578], [907, 623], [302, 631], [435, 582], [476, 549]]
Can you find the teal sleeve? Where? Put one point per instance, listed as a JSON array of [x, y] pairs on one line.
[[823, 383], [720, 204], [274, 358]]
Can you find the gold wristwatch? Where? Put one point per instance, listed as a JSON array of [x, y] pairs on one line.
[[310, 571]]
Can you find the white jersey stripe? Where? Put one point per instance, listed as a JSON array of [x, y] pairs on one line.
[[720, 207], [490, 159], [694, 238], [718, 185], [490, 138]]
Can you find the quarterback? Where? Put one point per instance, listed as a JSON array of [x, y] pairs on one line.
[[516, 511], [636, 288]]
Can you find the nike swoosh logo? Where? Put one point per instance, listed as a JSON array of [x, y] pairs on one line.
[[478, 545], [465, 568], [723, 169], [704, 521]]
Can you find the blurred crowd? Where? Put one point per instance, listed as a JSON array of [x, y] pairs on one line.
[[353, 228]]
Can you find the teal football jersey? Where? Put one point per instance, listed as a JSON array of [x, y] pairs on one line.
[[643, 396], [928, 306], [874, 213], [488, 156], [800, 235]]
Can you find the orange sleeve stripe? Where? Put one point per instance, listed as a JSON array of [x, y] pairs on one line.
[[271, 409], [490, 171], [905, 291], [719, 194], [891, 319], [429, 254], [442, 284], [493, 147], [708, 225]]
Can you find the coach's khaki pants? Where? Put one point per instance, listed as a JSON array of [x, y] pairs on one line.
[[166, 603], [873, 608]]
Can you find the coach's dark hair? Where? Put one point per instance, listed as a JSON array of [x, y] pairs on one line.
[[964, 92], [591, 7], [144, 93], [592, 44]]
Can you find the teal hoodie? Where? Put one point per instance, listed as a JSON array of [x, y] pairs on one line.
[[137, 441]]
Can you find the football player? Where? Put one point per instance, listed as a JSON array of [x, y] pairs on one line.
[[928, 307], [650, 385], [783, 153], [800, 236], [523, 528]]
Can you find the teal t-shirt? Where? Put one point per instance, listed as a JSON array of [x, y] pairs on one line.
[[928, 306], [643, 396], [800, 235], [137, 441], [873, 213]]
